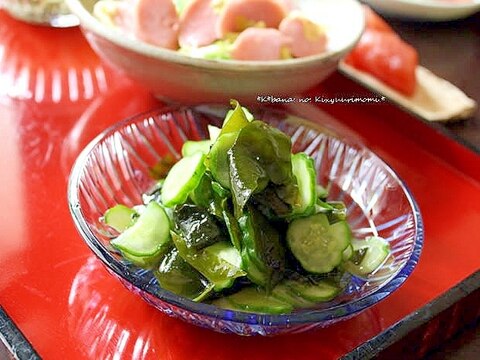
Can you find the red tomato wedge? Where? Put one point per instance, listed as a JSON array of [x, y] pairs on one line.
[[388, 58], [375, 22], [383, 54]]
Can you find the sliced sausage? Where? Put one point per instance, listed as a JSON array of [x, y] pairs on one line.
[[156, 22], [259, 44], [290, 4], [123, 17], [197, 24], [237, 15], [307, 38]]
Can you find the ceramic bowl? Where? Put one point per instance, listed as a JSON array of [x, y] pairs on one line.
[[177, 77], [426, 10], [116, 167], [53, 13]]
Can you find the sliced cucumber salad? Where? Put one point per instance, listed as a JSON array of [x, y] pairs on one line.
[[240, 222]]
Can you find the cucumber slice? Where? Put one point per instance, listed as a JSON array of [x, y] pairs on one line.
[[348, 253], [191, 147], [205, 195], [254, 273], [303, 169], [146, 238], [316, 244], [284, 292], [375, 251], [202, 195], [318, 291], [120, 217], [218, 159], [213, 132], [248, 114], [224, 251], [322, 192], [256, 300], [145, 262], [224, 304], [182, 178], [262, 249], [210, 262]]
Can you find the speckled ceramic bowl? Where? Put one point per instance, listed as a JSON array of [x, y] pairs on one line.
[[115, 168], [180, 78]]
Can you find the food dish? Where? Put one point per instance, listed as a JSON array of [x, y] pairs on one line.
[[235, 29], [45, 12], [427, 10], [240, 222], [388, 65], [435, 99], [177, 77], [115, 168]]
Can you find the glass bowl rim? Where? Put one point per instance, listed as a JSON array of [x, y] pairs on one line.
[[304, 316]]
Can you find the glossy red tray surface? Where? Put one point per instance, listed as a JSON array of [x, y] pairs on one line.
[[69, 307]]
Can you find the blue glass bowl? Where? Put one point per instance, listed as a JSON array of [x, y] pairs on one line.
[[116, 168]]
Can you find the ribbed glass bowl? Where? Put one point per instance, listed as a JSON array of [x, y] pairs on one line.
[[116, 168]]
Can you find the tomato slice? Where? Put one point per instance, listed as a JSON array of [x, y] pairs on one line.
[[374, 22], [387, 57]]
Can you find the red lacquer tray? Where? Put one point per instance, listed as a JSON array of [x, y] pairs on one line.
[[60, 303]]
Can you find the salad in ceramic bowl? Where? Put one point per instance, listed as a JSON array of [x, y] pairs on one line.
[[211, 51], [219, 29]]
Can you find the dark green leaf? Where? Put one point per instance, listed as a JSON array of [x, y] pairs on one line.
[[261, 246], [232, 225], [216, 269], [197, 226], [235, 119], [270, 204], [260, 154], [176, 275]]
